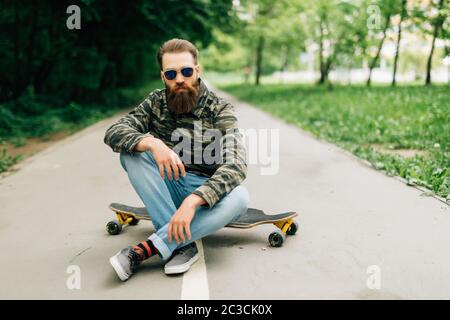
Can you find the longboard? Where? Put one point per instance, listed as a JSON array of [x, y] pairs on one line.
[[128, 215]]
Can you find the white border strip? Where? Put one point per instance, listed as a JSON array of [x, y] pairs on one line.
[[195, 281]]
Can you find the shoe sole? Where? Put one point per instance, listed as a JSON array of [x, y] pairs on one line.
[[118, 268], [181, 268]]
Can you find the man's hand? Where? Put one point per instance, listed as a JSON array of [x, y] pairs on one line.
[[180, 223], [165, 157]]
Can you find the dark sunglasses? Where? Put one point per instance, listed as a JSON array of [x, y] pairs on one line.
[[172, 74]]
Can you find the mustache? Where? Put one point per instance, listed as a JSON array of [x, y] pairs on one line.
[[181, 87]]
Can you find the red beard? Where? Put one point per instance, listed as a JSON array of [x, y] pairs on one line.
[[182, 101]]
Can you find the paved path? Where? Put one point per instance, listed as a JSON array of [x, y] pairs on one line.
[[53, 214]]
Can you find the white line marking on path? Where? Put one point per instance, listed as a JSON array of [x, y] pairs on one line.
[[195, 281]]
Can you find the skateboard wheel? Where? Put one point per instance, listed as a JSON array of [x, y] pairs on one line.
[[276, 239], [134, 222], [113, 227], [292, 229]]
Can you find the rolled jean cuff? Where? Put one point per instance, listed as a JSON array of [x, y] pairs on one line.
[[159, 244]]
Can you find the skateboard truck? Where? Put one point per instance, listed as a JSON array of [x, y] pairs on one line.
[[277, 237]]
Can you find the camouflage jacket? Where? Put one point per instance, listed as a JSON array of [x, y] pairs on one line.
[[213, 117]]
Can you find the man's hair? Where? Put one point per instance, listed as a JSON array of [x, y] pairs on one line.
[[175, 46]]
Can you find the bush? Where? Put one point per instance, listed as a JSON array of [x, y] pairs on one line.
[[9, 122], [7, 161]]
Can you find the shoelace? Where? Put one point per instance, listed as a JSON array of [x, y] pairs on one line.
[[184, 249], [134, 258]]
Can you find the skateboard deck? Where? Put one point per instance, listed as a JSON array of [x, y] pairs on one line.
[[128, 215]]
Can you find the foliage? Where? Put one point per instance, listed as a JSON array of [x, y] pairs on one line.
[[269, 36], [17, 127], [54, 79], [272, 29], [6, 160], [115, 47]]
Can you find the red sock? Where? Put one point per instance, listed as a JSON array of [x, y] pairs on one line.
[[145, 249]]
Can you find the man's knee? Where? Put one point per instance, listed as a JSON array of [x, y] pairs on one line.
[[123, 158], [126, 158], [135, 158], [239, 199]]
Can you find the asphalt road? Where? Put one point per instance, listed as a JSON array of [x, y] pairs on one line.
[[362, 235]]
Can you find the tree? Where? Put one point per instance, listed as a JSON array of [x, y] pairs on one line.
[[115, 47], [336, 29], [386, 9], [268, 27], [287, 36], [403, 15], [437, 22]]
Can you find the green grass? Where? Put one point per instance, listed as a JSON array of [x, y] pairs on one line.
[[359, 118], [32, 116]]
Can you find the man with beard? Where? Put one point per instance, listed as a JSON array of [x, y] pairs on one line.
[[188, 196]]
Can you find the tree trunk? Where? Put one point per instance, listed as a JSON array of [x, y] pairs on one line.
[[42, 73], [437, 27], [448, 66], [430, 59], [380, 47], [285, 61], [399, 37], [321, 60], [29, 70], [327, 69], [17, 78], [259, 51], [349, 69]]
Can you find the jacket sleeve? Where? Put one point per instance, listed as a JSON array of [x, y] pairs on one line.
[[233, 168], [126, 133]]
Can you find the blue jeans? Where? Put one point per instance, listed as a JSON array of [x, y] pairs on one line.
[[163, 197]]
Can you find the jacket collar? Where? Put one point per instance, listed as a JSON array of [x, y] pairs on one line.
[[203, 98]]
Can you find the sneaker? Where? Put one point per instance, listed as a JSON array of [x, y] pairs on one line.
[[182, 259], [125, 263]]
